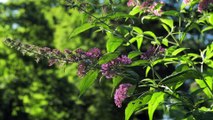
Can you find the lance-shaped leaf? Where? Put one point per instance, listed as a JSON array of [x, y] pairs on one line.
[[206, 89], [81, 29], [134, 54], [177, 51], [113, 42], [156, 99], [180, 77], [168, 22], [108, 57], [116, 80], [137, 104], [135, 10], [150, 33], [88, 80], [140, 63]]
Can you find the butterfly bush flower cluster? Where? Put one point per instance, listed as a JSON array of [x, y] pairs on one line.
[[152, 52], [110, 69], [186, 1], [121, 94], [148, 6], [132, 3], [203, 4], [86, 59]]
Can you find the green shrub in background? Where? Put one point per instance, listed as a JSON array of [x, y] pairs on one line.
[[34, 91]]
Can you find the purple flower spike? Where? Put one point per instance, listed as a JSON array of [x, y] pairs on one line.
[[121, 94], [93, 53], [131, 3], [153, 52], [150, 52], [79, 51], [186, 1], [107, 70], [110, 69], [203, 4], [124, 59], [81, 69]]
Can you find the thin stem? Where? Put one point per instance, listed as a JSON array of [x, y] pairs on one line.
[[116, 33], [179, 28]]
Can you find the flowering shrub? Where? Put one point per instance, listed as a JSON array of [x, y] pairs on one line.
[[149, 90]]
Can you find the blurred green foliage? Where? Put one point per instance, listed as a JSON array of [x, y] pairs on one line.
[[31, 91]]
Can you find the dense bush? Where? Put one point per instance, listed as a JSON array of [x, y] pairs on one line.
[[158, 57]]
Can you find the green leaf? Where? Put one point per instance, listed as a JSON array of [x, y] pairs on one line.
[[116, 80], [117, 15], [138, 38], [135, 10], [113, 42], [138, 30], [168, 22], [165, 42], [81, 29], [211, 19], [88, 80], [177, 51], [139, 42], [150, 33], [139, 63], [156, 99], [136, 105], [108, 57], [207, 28], [147, 71], [134, 54], [209, 51], [171, 13], [166, 27], [148, 17], [173, 79], [202, 84]]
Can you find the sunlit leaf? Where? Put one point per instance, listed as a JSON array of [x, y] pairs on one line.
[[211, 19], [207, 29], [116, 80], [147, 71], [166, 27], [172, 79], [113, 42], [134, 54], [177, 51], [138, 30], [171, 13], [137, 104], [202, 84], [165, 42], [81, 29], [108, 57], [150, 33], [156, 99], [168, 22], [88, 80], [139, 63], [135, 10]]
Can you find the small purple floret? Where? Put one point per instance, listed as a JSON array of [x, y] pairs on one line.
[[93, 53], [109, 70], [203, 4], [121, 94]]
